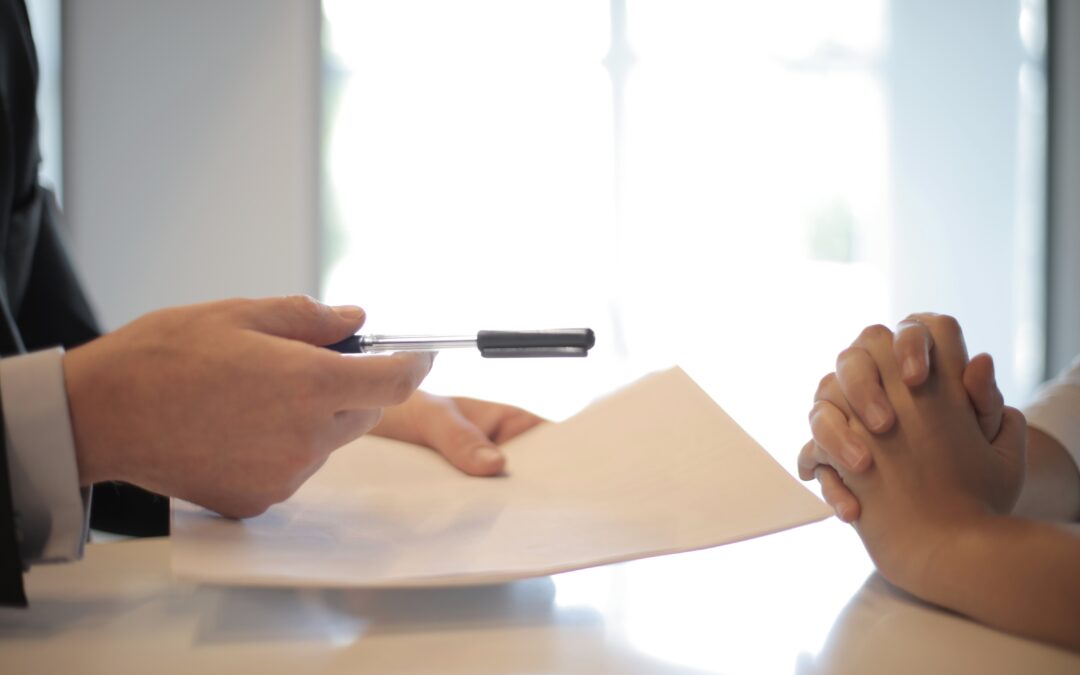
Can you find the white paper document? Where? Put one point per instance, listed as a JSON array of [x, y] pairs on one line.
[[655, 468]]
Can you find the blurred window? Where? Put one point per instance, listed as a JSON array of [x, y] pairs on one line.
[[737, 187], [45, 24]]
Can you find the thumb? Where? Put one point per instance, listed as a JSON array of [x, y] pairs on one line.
[[1011, 441], [300, 317], [982, 389], [462, 443]]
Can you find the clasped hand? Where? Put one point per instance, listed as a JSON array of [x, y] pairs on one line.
[[912, 442]]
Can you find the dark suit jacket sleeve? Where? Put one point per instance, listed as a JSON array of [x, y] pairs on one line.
[[41, 301], [55, 311], [51, 310], [11, 582]]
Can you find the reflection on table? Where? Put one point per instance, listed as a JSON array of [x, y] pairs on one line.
[[804, 601]]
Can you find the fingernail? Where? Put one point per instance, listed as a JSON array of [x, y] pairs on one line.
[[876, 416], [349, 312], [485, 455], [910, 368], [841, 512], [853, 454]]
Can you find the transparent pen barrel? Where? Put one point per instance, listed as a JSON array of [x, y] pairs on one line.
[[414, 343]]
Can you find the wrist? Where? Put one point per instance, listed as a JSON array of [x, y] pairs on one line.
[[917, 551], [953, 549], [92, 464]]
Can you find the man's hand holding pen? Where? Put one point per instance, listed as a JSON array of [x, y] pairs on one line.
[[234, 404]]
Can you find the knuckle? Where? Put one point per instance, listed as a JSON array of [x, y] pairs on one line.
[[400, 390], [875, 333], [808, 461], [825, 385], [850, 356], [818, 419], [946, 325], [848, 353], [403, 386], [1017, 414], [304, 304], [235, 307]]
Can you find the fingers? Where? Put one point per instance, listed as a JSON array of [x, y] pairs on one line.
[[1013, 435], [461, 442], [464, 430], [514, 425], [877, 342], [838, 443], [912, 343], [809, 460], [982, 389], [499, 421], [837, 495], [878, 355], [860, 382], [299, 317], [949, 349], [374, 380]]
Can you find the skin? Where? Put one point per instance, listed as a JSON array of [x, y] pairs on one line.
[[466, 431], [233, 405], [1051, 488], [936, 498]]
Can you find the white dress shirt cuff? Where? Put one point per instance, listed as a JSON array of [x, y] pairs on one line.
[[51, 512]]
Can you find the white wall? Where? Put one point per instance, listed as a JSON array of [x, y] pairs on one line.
[[191, 149]]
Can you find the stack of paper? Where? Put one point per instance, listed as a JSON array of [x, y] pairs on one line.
[[655, 468]]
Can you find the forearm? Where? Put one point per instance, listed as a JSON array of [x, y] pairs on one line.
[[1051, 489], [1014, 574]]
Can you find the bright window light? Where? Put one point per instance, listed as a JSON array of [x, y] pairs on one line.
[[723, 185]]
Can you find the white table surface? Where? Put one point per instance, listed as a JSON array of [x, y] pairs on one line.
[[803, 601]]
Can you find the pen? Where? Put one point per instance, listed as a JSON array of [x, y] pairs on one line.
[[493, 344]]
